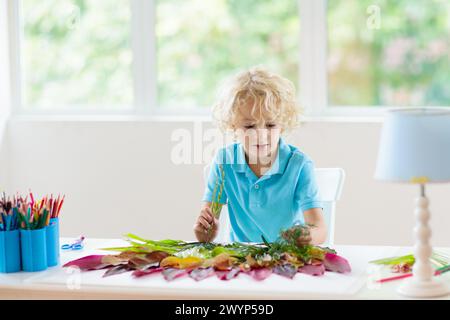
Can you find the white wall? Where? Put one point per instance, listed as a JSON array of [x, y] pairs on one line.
[[5, 100], [118, 177]]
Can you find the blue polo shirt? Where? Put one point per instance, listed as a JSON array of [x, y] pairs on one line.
[[265, 205]]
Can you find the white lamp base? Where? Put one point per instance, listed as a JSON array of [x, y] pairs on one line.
[[422, 284], [422, 289]]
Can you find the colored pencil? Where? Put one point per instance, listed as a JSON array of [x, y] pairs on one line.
[[438, 272]]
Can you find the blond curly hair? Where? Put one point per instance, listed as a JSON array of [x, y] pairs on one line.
[[267, 91]]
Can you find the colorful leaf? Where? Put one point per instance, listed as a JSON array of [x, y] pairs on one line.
[[92, 262], [146, 261], [286, 270], [313, 270], [228, 275], [317, 253], [201, 273], [395, 260], [116, 270], [172, 273], [223, 262], [336, 263], [115, 260], [260, 274], [181, 263], [141, 273], [401, 268]]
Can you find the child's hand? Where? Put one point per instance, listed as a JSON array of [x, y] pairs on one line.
[[206, 227], [299, 235], [305, 238]]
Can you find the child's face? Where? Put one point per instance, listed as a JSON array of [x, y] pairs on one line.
[[259, 134]]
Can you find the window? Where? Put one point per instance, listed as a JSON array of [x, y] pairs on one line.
[[389, 53], [170, 56], [201, 42], [76, 54]]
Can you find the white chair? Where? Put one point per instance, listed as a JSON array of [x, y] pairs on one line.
[[330, 182]]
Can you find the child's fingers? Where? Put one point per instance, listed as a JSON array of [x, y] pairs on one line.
[[204, 222], [207, 214], [208, 209], [215, 223], [199, 227]]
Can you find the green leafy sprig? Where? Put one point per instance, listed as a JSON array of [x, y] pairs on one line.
[[216, 206]]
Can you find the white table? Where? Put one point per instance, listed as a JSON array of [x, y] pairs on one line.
[[68, 283]]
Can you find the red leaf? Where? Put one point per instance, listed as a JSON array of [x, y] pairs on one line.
[[313, 270], [228, 275], [93, 262], [336, 263], [141, 273]]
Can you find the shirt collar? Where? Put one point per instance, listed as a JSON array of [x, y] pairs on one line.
[[278, 167]]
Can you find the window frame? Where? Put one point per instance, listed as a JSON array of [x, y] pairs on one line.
[[312, 73]]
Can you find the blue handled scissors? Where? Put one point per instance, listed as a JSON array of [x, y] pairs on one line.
[[76, 245]]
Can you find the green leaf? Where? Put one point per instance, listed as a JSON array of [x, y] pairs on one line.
[[395, 260]]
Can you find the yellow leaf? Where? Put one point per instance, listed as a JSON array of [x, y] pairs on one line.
[[181, 263]]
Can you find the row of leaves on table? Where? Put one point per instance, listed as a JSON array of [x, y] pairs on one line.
[[200, 260]]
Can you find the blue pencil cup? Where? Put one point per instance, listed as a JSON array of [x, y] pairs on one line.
[[9, 251], [34, 249], [52, 237]]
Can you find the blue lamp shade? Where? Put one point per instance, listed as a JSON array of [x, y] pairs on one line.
[[415, 146]]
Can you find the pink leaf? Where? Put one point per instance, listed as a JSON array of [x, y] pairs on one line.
[[93, 262], [336, 263], [141, 273], [313, 270], [201, 273], [260, 274], [228, 275], [172, 273]]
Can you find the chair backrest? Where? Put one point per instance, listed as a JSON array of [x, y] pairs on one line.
[[330, 182]]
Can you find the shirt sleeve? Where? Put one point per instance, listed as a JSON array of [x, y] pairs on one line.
[[215, 179], [307, 193]]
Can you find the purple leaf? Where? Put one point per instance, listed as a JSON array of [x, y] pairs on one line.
[[201, 273], [172, 273], [260, 274], [336, 263], [313, 270], [286, 270], [93, 262], [141, 273], [228, 275], [116, 270]]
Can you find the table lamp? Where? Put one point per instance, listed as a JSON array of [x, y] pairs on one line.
[[415, 148]]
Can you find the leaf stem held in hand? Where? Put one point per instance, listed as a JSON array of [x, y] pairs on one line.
[[216, 206]]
